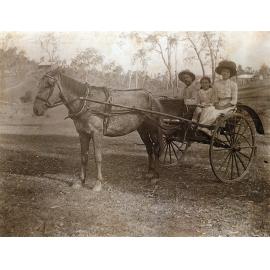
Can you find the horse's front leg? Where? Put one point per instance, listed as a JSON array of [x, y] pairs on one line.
[[97, 142], [84, 141]]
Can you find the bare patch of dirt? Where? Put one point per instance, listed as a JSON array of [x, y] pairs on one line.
[[36, 173]]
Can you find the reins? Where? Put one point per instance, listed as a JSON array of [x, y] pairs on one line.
[[108, 105], [47, 101]]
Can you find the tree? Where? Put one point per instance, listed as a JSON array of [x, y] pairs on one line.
[[249, 70], [140, 58], [240, 70], [196, 42], [145, 44], [112, 74], [21, 64], [214, 43], [207, 49], [86, 61], [5, 43], [48, 43], [164, 44], [264, 70]]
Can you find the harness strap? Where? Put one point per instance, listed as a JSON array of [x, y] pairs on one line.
[[107, 109], [83, 106]]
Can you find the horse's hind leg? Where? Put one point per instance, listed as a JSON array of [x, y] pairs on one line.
[[149, 148], [156, 138], [97, 142]]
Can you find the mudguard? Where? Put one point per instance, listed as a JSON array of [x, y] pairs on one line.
[[255, 117]]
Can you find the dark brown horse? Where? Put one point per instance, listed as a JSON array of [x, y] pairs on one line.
[[93, 120]]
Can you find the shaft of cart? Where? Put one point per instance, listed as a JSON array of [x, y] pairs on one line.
[[180, 119]]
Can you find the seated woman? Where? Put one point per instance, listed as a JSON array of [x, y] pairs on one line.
[[205, 98], [225, 95]]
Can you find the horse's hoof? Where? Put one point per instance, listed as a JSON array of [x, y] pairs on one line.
[[77, 185], [154, 181], [97, 187]]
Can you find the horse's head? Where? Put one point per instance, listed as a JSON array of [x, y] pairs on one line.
[[47, 96]]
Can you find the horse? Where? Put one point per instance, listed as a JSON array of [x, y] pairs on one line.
[[94, 120]]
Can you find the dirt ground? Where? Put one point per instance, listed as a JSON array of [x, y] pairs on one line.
[[36, 197]]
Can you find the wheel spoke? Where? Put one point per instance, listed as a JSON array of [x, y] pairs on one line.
[[170, 153], [247, 147], [223, 162], [223, 143], [242, 162], [246, 140], [228, 165], [236, 164], [244, 155], [232, 167], [177, 147], [165, 155], [228, 139], [246, 127], [174, 152], [233, 134], [239, 129], [222, 149]]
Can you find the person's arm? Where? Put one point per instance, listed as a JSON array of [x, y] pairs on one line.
[[234, 89]]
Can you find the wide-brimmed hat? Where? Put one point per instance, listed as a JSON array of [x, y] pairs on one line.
[[188, 72], [228, 65]]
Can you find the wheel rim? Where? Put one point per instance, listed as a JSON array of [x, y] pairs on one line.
[[232, 148], [173, 151]]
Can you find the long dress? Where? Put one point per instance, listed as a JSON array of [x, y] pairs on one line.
[[225, 98]]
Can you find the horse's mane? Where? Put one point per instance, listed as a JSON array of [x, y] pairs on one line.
[[76, 85], [73, 84]]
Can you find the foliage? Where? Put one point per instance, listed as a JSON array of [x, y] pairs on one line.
[[49, 45], [86, 61], [264, 70]]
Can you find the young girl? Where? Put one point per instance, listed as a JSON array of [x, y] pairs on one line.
[[225, 95], [205, 97]]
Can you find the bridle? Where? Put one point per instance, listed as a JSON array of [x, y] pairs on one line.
[[62, 100], [52, 86]]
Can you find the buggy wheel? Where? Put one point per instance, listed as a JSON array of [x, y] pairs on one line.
[[173, 150], [232, 148]]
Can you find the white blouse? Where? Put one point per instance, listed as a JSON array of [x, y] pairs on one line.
[[225, 92]]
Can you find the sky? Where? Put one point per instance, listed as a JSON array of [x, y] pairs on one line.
[[245, 48]]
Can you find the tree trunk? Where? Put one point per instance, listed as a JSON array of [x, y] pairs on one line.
[[129, 82], [197, 53], [211, 56]]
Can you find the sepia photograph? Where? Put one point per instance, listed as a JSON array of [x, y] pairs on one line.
[[134, 133]]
